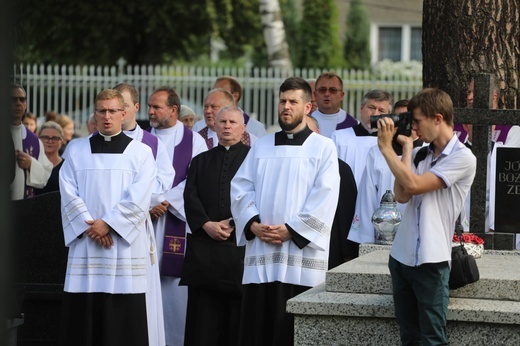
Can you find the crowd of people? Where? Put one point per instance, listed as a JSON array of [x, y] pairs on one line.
[[197, 232]]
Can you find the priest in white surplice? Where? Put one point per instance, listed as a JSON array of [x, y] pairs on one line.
[[283, 200], [105, 184], [182, 145], [163, 183], [354, 143], [32, 168]]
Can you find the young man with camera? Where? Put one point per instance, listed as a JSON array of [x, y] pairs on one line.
[[435, 191]]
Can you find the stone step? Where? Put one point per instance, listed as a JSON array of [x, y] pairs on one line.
[[319, 302], [369, 274]]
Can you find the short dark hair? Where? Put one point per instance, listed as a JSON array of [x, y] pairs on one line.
[[297, 83], [173, 99], [378, 95], [401, 103], [433, 101]]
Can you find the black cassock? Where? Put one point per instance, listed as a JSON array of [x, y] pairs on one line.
[[341, 248], [212, 269]]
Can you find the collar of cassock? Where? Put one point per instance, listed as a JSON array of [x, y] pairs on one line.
[[298, 138], [110, 138], [231, 147]]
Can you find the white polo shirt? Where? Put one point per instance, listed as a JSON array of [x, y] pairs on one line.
[[428, 223]]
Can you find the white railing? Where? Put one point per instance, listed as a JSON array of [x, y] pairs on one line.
[[71, 89]]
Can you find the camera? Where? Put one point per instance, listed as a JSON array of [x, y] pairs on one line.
[[402, 122]]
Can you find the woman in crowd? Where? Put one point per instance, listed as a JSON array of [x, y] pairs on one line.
[[67, 124], [30, 121], [51, 134]]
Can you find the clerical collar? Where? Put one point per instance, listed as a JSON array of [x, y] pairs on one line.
[[108, 138], [230, 147], [298, 138]]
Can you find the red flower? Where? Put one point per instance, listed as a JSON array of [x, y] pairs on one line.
[[468, 238]]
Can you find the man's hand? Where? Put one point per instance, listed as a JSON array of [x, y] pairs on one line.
[[217, 230], [23, 160], [98, 231], [385, 133], [275, 234], [159, 210]]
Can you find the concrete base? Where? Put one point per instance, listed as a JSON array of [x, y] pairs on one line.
[[355, 306]]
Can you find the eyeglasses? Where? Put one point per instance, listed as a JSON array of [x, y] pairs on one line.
[[22, 99], [50, 139], [323, 90], [112, 111]]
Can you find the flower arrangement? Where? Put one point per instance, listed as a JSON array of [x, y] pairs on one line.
[[469, 238], [474, 244]]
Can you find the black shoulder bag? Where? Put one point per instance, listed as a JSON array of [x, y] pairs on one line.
[[464, 268]]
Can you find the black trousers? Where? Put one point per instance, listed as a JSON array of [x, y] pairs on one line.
[[264, 320], [102, 319], [212, 317]]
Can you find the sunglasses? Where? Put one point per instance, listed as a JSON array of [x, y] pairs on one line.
[[22, 99]]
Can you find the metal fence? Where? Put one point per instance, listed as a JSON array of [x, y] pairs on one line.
[[71, 89]]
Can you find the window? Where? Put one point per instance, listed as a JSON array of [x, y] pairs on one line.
[[416, 43], [389, 44]]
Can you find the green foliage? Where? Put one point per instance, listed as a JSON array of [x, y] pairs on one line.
[[321, 47], [357, 41], [143, 32]]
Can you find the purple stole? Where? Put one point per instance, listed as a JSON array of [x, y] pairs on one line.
[[175, 229], [460, 132], [246, 118], [31, 146], [151, 141], [204, 134], [502, 131], [349, 121]]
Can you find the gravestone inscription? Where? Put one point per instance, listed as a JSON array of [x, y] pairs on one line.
[[507, 190]]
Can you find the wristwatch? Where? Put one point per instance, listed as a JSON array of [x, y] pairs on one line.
[[231, 222]]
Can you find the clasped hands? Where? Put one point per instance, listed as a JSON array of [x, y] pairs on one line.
[[99, 231], [159, 210], [218, 230], [271, 234]]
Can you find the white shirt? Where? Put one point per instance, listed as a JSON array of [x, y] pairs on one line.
[[426, 230]]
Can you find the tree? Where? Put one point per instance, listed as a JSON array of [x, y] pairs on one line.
[[143, 32], [321, 46], [464, 37], [274, 34], [357, 41]]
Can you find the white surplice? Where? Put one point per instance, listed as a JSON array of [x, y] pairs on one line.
[[154, 304], [329, 122], [292, 184], [175, 297], [41, 167], [117, 189], [353, 149]]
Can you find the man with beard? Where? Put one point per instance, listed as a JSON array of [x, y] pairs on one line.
[[283, 200]]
